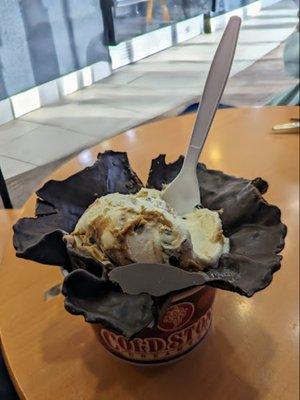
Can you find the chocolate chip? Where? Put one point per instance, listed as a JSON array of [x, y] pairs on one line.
[[129, 185], [173, 260], [139, 228], [92, 240], [260, 184]]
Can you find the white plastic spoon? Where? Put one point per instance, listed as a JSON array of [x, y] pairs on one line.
[[183, 193]]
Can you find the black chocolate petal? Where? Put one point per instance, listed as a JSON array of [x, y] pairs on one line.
[[110, 173], [253, 226], [243, 275], [239, 200], [40, 239], [256, 241], [43, 208], [154, 279], [95, 299], [61, 203], [78, 260], [161, 173], [260, 184], [235, 272], [237, 197]]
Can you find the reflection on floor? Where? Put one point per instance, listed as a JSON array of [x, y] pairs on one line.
[[40, 141]]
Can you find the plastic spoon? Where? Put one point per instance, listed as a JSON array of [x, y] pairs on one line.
[[183, 192]]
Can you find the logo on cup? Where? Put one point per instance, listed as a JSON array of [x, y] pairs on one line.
[[153, 349], [176, 316]]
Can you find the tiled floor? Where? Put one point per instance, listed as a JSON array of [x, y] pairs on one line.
[[256, 85], [48, 141], [12, 166], [152, 87]]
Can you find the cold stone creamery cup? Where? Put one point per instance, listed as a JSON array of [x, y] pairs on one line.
[[181, 328]]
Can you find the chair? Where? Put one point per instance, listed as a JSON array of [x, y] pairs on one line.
[[4, 192]]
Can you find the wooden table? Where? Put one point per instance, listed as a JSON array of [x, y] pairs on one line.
[[7, 219], [251, 351]]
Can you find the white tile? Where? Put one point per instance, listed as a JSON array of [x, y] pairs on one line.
[[119, 55], [188, 29], [49, 93], [86, 76], [176, 83], [124, 75], [15, 129], [269, 23], [253, 9], [150, 43], [90, 118], [268, 3], [11, 167], [6, 113], [100, 70], [68, 84], [273, 12], [140, 47], [45, 144], [25, 102], [199, 54], [149, 103], [170, 66]]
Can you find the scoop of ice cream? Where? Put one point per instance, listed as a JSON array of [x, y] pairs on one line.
[[206, 232], [120, 229]]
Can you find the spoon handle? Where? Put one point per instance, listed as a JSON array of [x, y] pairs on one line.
[[213, 90]]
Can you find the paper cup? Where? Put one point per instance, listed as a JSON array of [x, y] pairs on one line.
[[180, 330]]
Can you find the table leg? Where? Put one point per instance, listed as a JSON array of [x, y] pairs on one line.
[[4, 192]]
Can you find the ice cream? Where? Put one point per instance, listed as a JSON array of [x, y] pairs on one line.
[[120, 229]]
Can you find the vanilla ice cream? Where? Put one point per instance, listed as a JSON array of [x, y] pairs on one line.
[[120, 229]]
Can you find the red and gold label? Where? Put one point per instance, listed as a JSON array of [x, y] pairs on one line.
[[181, 328], [157, 348], [176, 316]]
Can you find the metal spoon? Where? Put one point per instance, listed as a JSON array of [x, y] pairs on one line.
[[183, 192]]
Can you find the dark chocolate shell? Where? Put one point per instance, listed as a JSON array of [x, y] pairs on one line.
[[98, 301], [61, 203], [111, 173], [41, 239], [253, 226], [156, 279], [239, 198]]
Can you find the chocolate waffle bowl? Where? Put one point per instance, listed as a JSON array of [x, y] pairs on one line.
[[124, 312]]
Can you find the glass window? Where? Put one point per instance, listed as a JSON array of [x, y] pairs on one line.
[[128, 18]]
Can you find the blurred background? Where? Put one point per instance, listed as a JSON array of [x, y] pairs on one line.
[[73, 73]]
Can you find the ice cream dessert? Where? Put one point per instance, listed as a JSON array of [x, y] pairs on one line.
[[72, 230], [121, 229]]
